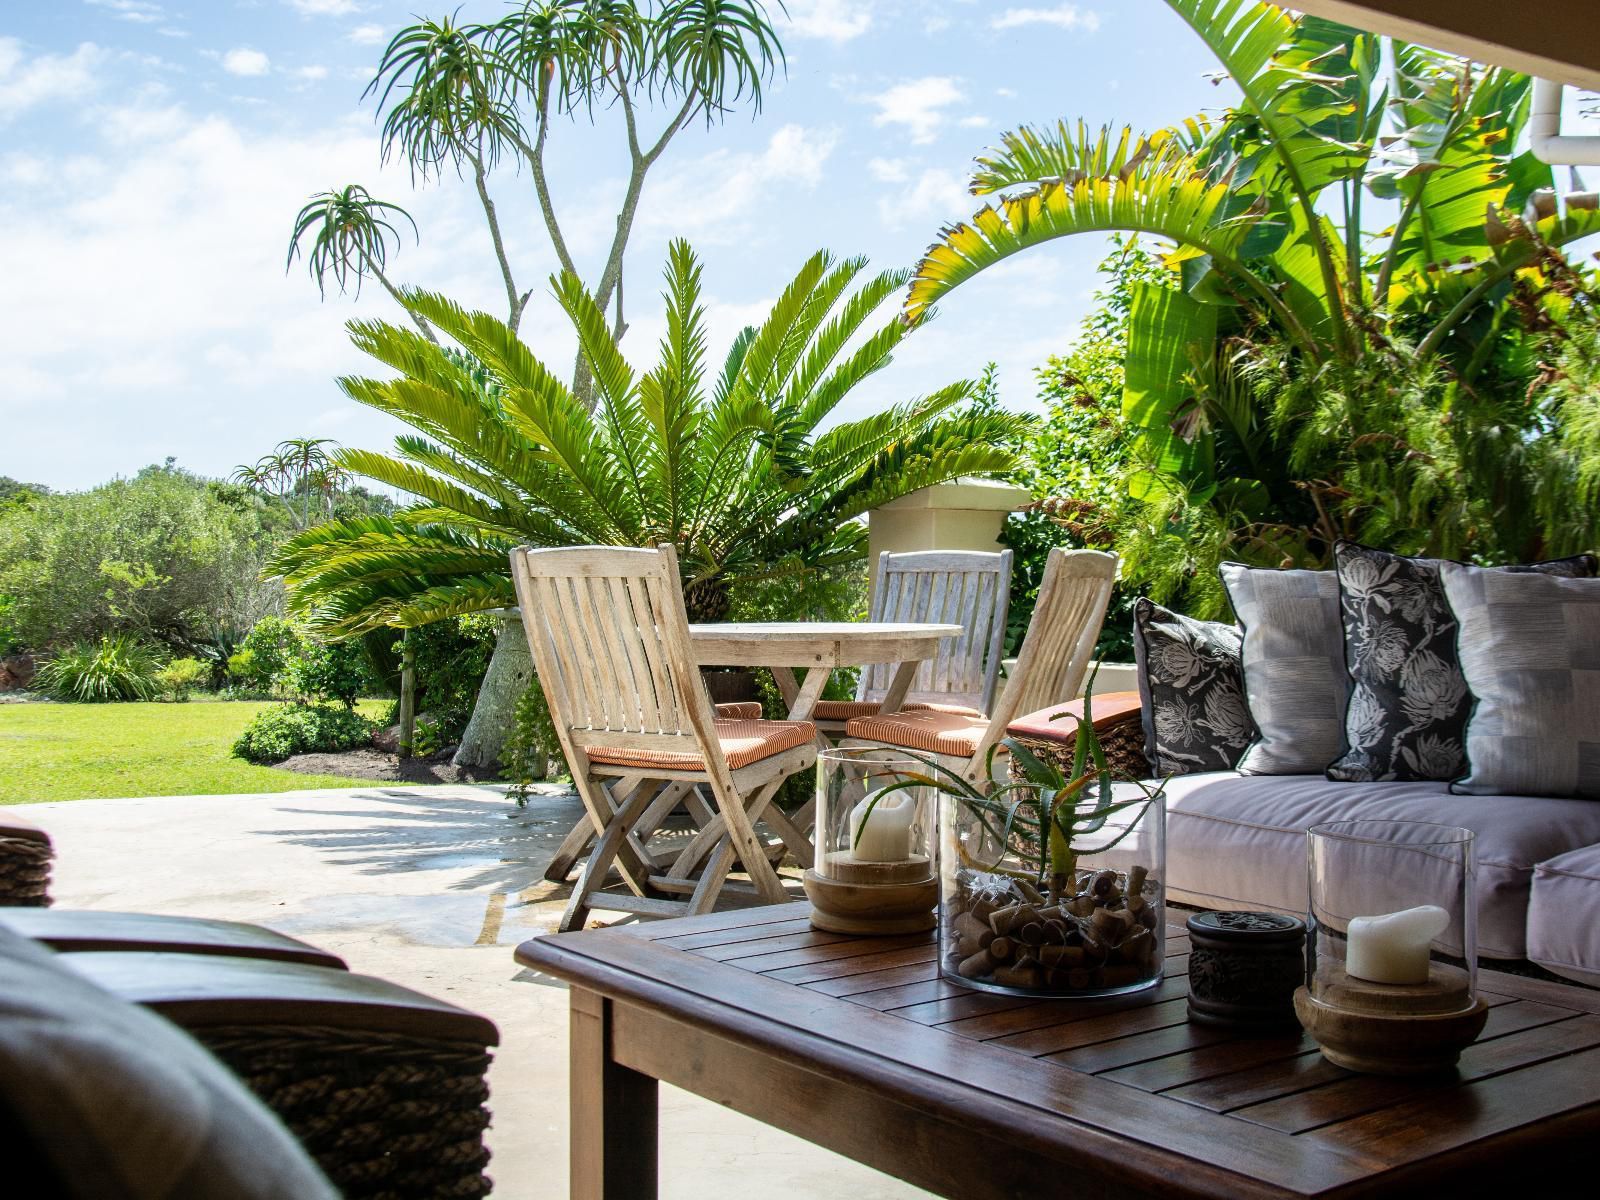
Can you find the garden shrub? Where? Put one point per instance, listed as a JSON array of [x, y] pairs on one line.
[[264, 653], [182, 676], [298, 728], [533, 744], [329, 671], [117, 667], [10, 639]]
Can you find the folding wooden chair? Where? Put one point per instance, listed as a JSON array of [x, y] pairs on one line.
[[1050, 668], [610, 641], [970, 588]]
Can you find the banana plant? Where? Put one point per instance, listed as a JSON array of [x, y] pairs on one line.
[[731, 463], [1262, 206]]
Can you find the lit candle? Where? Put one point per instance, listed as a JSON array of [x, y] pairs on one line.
[[886, 835], [1393, 948]]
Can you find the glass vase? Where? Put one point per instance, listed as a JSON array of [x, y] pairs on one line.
[[873, 869], [1025, 914]]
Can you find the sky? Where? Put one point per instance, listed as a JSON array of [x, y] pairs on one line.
[[153, 154]]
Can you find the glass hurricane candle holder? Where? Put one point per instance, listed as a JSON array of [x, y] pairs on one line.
[[1391, 960], [1081, 913], [873, 869]]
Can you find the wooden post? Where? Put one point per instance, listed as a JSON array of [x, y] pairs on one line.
[[613, 1112], [408, 694]]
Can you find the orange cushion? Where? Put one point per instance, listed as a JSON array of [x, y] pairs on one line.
[[926, 729], [743, 742], [848, 710], [740, 710], [1111, 709]]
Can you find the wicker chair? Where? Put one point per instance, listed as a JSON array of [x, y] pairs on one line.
[[384, 1087], [25, 857], [1117, 722]]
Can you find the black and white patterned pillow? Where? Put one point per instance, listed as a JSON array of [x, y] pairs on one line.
[[1409, 701], [1295, 680], [1191, 685]]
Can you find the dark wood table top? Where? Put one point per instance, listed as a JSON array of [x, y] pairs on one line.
[[973, 1094]]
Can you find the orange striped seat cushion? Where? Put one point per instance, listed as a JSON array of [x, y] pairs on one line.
[[849, 710], [927, 729], [740, 710], [744, 742]]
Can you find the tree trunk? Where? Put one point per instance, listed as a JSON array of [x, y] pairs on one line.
[[408, 694], [707, 601], [510, 669]]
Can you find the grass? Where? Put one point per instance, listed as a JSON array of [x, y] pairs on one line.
[[90, 751]]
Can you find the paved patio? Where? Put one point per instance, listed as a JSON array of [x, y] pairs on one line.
[[429, 887]]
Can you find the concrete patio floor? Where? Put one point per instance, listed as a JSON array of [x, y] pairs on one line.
[[430, 887]]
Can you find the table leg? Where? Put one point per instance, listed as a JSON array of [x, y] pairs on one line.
[[904, 676], [787, 687], [614, 1128], [804, 701]]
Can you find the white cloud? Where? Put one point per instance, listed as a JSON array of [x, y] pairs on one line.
[[315, 71], [368, 35], [1062, 16], [888, 170], [26, 83], [975, 121], [141, 12], [936, 196], [917, 104], [935, 25], [245, 61], [1006, 93], [715, 198], [832, 20], [325, 8]]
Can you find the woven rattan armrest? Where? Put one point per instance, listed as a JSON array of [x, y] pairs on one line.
[[78, 930]]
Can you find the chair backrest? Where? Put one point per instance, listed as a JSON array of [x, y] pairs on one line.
[[1056, 650], [610, 640], [970, 588]]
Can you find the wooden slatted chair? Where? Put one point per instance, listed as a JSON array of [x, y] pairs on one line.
[[1050, 669], [970, 588], [610, 640]]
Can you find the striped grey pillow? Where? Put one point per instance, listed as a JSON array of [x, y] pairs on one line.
[[1530, 651], [1295, 680]]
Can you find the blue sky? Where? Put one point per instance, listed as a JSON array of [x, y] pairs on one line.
[[153, 154]]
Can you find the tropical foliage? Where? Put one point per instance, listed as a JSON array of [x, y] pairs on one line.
[[117, 667], [1295, 377], [467, 97], [730, 464]]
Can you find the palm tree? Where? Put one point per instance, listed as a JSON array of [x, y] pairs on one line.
[[1264, 206], [296, 467], [350, 232], [731, 465]]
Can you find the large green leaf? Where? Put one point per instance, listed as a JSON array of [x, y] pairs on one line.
[[1166, 328]]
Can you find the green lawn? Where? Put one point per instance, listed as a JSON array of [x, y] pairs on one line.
[[85, 751]]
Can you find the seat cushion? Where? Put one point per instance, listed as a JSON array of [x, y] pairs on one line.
[[740, 710], [121, 1104], [849, 710], [930, 729], [1048, 724], [743, 742], [1564, 915], [1239, 841]]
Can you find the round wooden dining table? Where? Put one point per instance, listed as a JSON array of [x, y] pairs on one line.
[[819, 647]]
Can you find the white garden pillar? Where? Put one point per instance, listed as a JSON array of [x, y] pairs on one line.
[[966, 514]]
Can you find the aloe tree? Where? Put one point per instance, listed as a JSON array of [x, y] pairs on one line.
[[466, 97], [729, 463], [1279, 296], [349, 232]]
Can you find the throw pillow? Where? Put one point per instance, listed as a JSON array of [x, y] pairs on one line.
[[1530, 651], [1191, 688], [1409, 704], [1295, 682]]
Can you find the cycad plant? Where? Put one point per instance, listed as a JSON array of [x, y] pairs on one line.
[[1292, 343], [730, 464]]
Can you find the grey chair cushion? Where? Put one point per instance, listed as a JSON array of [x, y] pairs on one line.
[[1409, 705], [1294, 674], [1239, 841], [1530, 651], [1564, 915], [1191, 691], [124, 1106]]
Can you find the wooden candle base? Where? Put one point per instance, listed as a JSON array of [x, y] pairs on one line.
[[1389, 1043], [871, 908]]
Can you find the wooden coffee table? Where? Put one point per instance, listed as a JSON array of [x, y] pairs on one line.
[[857, 1045]]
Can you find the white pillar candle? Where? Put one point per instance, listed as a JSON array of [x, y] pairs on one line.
[[886, 836], [1393, 948]]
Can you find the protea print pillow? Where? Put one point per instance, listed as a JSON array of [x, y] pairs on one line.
[[1409, 702], [1191, 683]]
